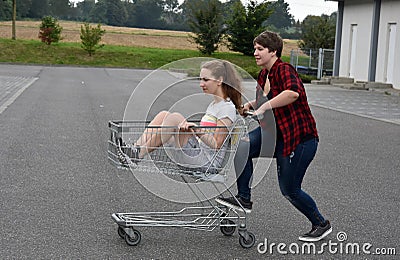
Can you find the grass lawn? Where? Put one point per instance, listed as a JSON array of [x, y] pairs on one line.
[[124, 48], [36, 52], [71, 53]]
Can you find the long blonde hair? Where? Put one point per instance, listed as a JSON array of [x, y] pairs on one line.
[[231, 80]]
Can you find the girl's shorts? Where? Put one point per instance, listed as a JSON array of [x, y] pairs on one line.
[[198, 156]]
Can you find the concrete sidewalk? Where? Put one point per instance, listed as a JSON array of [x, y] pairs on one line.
[[371, 104]]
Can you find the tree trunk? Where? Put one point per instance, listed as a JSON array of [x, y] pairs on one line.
[[14, 17]]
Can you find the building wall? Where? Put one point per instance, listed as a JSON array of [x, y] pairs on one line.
[[360, 13], [390, 15]]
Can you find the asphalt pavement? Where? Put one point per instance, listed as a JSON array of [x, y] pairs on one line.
[[58, 190]]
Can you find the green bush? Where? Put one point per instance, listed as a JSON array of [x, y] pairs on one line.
[[50, 30], [90, 38], [307, 78]]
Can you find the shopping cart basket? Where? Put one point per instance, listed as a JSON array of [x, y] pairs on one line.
[[206, 215]]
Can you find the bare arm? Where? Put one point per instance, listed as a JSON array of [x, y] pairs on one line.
[[285, 98], [214, 139]]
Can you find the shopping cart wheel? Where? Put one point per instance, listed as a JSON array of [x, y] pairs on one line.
[[227, 230], [121, 232], [247, 242], [133, 237]]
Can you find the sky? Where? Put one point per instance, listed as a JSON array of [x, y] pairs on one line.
[[301, 8]]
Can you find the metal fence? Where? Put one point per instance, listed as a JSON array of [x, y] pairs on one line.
[[316, 62]]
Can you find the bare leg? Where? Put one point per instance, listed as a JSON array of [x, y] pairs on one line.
[[151, 133], [155, 137]]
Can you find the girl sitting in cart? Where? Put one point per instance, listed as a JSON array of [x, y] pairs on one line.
[[198, 147]]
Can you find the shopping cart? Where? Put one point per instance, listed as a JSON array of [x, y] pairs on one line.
[[206, 214]]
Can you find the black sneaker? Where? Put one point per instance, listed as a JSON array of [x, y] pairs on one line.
[[126, 154], [236, 202], [317, 233]]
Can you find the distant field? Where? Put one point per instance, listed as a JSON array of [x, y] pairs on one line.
[[122, 36]]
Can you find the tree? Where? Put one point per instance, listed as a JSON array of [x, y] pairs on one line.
[[172, 16], [8, 11], [84, 8], [116, 13], [131, 11], [170, 11], [318, 32], [14, 19], [5, 10], [185, 13], [206, 22], [280, 18], [60, 8], [23, 8], [148, 14], [245, 23], [98, 14], [227, 7], [50, 30], [90, 38], [39, 9]]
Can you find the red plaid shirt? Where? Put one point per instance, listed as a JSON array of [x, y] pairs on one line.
[[295, 120]]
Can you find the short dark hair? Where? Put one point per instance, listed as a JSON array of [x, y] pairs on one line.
[[270, 40]]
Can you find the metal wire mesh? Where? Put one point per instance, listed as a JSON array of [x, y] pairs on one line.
[[163, 158]]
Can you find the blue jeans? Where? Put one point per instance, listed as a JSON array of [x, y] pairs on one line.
[[244, 164], [291, 170]]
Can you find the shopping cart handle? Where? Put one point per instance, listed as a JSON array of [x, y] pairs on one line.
[[253, 116]]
